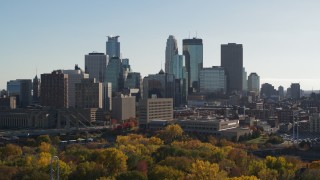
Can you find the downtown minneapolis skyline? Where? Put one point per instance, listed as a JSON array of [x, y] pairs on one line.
[[280, 38]]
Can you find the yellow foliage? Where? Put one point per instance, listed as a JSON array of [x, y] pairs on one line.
[[244, 178], [203, 170], [44, 147], [44, 159]]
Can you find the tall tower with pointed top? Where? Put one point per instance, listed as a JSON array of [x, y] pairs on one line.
[[171, 51], [36, 89]]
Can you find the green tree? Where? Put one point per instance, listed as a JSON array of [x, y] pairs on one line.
[[43, 138]]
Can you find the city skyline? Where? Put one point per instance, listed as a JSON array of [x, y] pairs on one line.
[[279, 38]]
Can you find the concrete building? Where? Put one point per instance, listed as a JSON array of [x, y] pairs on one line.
[[232, 62], [162, 85], [89, 94], [74, 77], [171, 51], [95, 65], [54, 90], [114, 74], [155, 108], [21, 88], [213, 80], [113, 47], [254, 83], [123, 107], [295, 91], [193, 52]]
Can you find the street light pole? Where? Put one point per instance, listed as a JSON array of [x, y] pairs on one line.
[[51, 168]]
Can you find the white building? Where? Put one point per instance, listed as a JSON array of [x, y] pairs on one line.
[[75, 76], [213, 80], [95, 65]]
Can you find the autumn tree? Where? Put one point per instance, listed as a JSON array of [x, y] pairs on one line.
[[205, 170], [113, 160], [165, 172], [171, 133]]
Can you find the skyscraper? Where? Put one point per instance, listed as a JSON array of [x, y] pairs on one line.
[[113, 47], [193, 52], [244, 80], [114, 74], [295, 90], [232, 62], [254, 83], [95, 65], [171, 51], [88, 94]]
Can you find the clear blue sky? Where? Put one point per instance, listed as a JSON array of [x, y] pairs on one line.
[[280, 37]]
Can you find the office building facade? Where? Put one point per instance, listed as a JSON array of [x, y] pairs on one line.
[[22, 90], [213, 80], [95, 65], [232, 62], [124, 107], [114, 74], [254, 83], [171, 51], [113, 47], [193, 52], [54, 90]]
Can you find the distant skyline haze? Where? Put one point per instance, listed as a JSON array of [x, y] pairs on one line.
[[280, 38]]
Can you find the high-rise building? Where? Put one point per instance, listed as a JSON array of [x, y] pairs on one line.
[[281, 92], [95, 65], [244, 80], [133, 80], [89, 94], [295, 90], [107, 93], [232, 62], [254, 83], [162, 85], [114, 74], [21, 88], [181, 79], [36, 90], [155, 109], [54, 90], [74, 77], [125, 68], [171, 51], [213, 80], [267, 90], [124, 107], [113, 47], [193, 52]]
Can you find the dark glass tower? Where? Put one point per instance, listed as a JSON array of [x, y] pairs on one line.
[[232, 62]]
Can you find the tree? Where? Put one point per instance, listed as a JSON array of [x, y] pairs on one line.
[[113, 160], [43, 138], [165, 172], [171, 133], [11, 151], [135, 175], [244, 178], [205, 170]]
